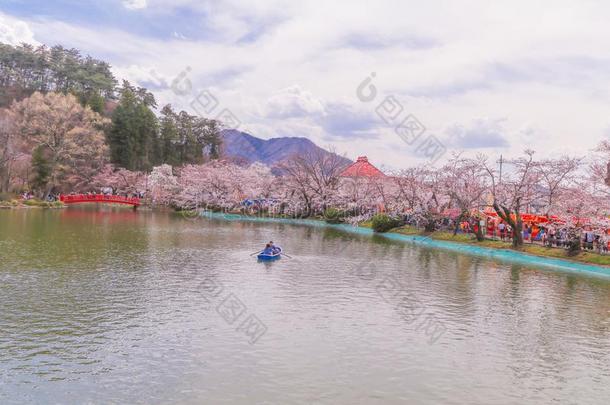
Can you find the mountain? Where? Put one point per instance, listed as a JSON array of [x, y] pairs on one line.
[[243, 146]]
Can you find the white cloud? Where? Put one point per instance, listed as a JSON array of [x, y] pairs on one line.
[[293, 102], [143, 76], [538, 65], [14, 31], [135, 4], [478, 134]]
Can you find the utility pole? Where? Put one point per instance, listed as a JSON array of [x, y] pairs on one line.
[[500, 161]]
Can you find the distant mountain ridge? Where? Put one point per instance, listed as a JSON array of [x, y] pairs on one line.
[[243, 146]]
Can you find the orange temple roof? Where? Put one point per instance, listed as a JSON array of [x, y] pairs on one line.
[[362, 168]]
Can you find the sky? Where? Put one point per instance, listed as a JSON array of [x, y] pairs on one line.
[[378, 78]]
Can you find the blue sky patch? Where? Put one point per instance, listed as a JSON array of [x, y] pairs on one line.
[[151, 23]]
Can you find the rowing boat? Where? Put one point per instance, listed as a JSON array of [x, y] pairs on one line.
[[270, 256]]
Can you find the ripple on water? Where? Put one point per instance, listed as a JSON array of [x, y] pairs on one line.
[[111, 308]]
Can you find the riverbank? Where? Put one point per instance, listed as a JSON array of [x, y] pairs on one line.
[[16, 204], [528, 248], [550, 258], [586, 257]]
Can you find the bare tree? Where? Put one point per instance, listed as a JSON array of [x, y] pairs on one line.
[[314, 176]]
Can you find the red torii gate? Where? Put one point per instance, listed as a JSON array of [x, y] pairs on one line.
[[99, 198]]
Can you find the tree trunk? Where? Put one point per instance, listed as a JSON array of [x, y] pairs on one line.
[[518, 231], [307, 212], [46, 193], [457, 223], [4, 180], [574, 244], [480, 236], [516, 225], [282, 208]]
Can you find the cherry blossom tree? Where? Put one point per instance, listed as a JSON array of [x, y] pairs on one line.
[[465, 184], [120, 180], [409, 187], [555, 178], [295, 179], [313, 178], [361, 195], [599, 167], [222, 185], [162, 184], [433, 200], [514, 193], [64, 137]]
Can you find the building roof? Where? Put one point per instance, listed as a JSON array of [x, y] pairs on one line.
[[362, 168]]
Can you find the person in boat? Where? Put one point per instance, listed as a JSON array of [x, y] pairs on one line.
[[274, 248], [269, 249]]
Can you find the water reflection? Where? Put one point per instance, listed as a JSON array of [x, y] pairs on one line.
[[111, 306]]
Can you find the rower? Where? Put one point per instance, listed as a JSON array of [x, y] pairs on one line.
[[269, 249]]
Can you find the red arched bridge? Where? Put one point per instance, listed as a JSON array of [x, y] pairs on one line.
[[99, 198]]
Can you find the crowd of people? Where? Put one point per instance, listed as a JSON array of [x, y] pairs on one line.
[[28, 195], [546, 234], [109, 191]]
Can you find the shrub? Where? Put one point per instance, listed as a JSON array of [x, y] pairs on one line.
[[383, 223], [574, 246], [9, 203], [333, 216], [215, 208], [43, 204], [32, 203]]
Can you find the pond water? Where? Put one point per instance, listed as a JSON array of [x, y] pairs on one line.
[[116, 306]]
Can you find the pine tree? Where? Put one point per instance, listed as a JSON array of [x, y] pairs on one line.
[[121, 133], [190, 150], [208, 136], [25, 69], [132, 136], [169, 141], [42, 169]]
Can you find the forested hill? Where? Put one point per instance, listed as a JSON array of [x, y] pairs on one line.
[[137, 133], [57, 132], [26, 69]]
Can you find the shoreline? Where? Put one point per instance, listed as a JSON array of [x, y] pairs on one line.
[[494, 253], [529, 249], [439, 240], [35, 206]]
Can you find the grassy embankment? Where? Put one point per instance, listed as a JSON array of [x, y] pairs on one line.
[[12, 201], [532, 249]]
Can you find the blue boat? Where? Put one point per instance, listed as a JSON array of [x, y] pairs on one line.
[[270, 256]]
